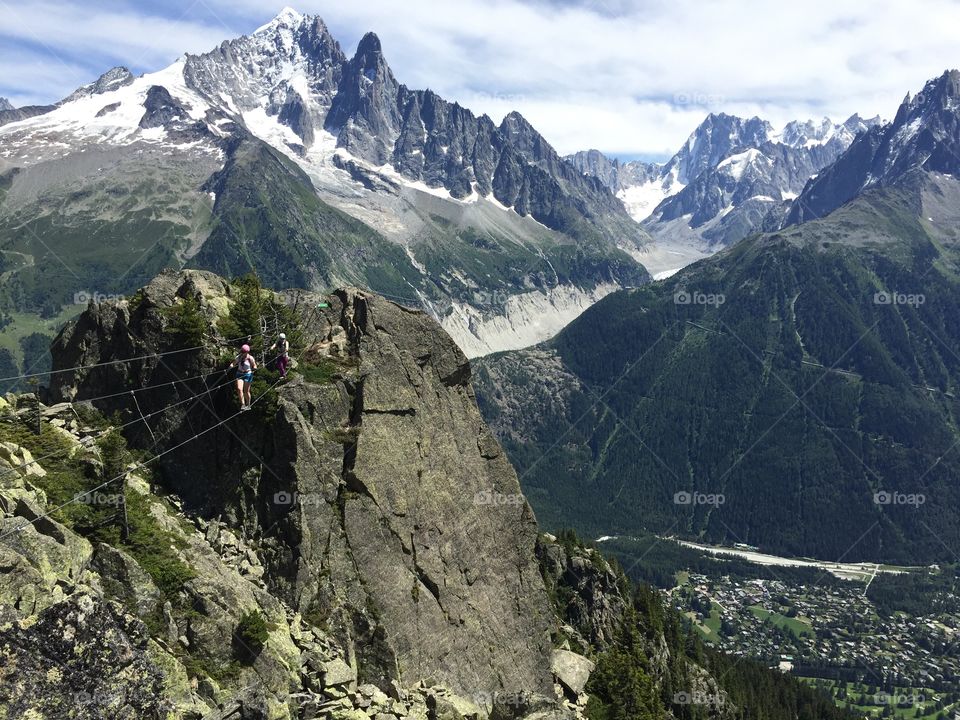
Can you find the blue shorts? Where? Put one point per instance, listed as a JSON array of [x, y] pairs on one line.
[[245, 376]]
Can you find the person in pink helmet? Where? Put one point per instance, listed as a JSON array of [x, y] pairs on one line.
[[245, 365]]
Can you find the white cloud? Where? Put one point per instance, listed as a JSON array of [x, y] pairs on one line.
[[62, 45], [624, 76]]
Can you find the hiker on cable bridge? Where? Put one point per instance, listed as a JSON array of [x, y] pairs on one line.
[[245, 364], [283, 357]]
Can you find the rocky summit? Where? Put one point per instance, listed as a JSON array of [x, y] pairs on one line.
[[363, 511]]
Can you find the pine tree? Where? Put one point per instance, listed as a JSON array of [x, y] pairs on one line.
[[187, 322], [620, 687], [247, 312]]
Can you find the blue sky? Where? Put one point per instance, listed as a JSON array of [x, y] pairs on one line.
[[629, 77]]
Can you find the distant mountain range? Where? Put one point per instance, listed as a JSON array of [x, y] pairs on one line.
[[732, 177], [277, 152], [924, 134], [797, 392]]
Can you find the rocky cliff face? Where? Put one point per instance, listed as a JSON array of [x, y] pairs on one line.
[[12, 115], [89, 630], [365, 494]]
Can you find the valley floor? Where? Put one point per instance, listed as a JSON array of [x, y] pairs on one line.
[[832, 636], [663, 259], [862, 572], [882, 640]]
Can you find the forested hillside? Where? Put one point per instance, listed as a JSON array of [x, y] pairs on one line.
[[797, 392]]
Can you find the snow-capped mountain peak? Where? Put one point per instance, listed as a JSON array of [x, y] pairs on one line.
[[736, 165], [728, 176], [112, 79], [923, 135], [811, 133], [5, 104], [799, 133], [286, 18], [714, 139], [393, 165]]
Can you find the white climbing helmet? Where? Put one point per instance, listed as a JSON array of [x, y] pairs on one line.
[[283, 336]]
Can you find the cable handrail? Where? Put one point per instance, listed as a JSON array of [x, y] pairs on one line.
[[150, 460], [133, 359], [207, 390]]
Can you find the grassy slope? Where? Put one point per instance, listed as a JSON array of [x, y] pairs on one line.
[[269, 218], [90, 232]]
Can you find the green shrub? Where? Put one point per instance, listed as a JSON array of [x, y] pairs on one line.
[[319, 373], [223, 674], [88, 415], [153, 547], [621, 687], [252, 633], [136, 300], [253, 628], [114, 453], [254, 307], [264, 395]]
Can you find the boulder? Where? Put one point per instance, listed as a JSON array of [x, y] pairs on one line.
[[125, 580], [452, 707], [38, 560], [337, 672], [20, 460], [82, 657], [571, 669]]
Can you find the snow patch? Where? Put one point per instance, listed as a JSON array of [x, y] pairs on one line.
[[413, 260], [640, 200], [79, 118], [663, 275], [269, 129], [736, 165], [285, 18], [154, 134], [300, 85]]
